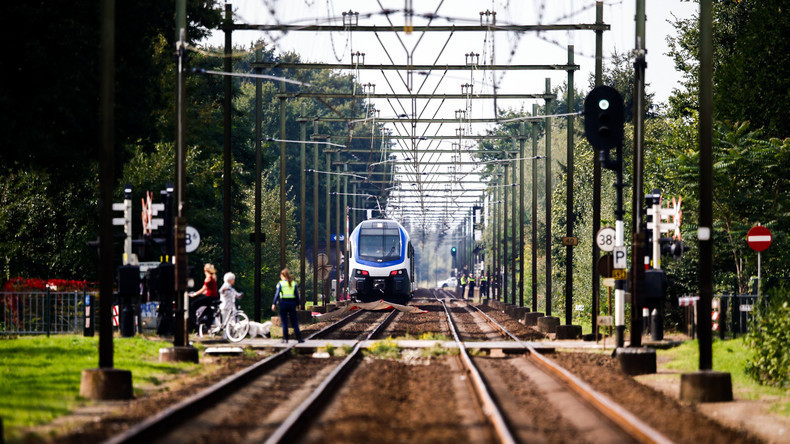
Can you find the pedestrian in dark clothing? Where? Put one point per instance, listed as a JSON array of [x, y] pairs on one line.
[[287, 294]]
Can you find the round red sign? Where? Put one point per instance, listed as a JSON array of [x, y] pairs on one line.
[[759, 238]]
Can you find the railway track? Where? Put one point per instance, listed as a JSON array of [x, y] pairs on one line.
[[601, 419], [205, 416], [315, 393]]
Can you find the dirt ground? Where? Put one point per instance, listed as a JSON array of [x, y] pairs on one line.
[[423, 403], [742, 414], [680, 423]]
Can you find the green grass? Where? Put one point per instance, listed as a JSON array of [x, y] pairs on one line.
[[40, 376], [386, 349], [729, 356]]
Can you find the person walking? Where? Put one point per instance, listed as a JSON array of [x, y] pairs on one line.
[[227, 296], [204, 297], [287, 293]]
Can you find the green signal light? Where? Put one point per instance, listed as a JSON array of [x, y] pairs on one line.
[[603, 104]]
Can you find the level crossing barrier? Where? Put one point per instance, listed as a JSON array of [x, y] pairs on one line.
[[735, 313]]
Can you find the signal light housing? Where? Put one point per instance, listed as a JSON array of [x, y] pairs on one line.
[[604, 117]]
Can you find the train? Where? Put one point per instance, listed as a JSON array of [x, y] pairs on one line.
[[381, 262]]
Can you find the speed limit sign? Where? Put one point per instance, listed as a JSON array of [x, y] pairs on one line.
[[605, 239]]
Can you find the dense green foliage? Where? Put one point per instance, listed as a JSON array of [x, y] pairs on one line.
[[769, 336], [50, 126], [751, 64], [48, 178]]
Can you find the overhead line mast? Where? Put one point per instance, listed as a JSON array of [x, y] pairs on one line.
[[418, 130]]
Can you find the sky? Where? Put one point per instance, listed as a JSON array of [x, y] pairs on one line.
[[439, 48]]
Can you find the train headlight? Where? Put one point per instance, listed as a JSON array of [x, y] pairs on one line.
[[400, 272]]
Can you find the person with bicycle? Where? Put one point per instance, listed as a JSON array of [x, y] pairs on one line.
[[207, 294], [227, 296], [287, 293]]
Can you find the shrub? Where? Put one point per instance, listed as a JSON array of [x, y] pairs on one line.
[[770, 334]]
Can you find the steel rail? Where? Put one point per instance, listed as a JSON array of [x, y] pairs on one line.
[[288, 430], [335, 325], [490, 408], [179, 413], [621, 417], [187, 408]]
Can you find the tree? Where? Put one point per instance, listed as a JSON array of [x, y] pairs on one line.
[[749, 187], [751, 70], [619, 74], [50, 132]]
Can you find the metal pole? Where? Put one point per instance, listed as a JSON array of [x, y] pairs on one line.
[[534, 221], [497, 238], [180, 332], [337, 229], [345, 229], [106, 182], [328, 219], [316, 167], [569, 216], [619, 292], [596, 201], [505, 234], [705, 230], [521, 142], [637, 201], [514, 231], [226, 151], [354, 204], [283, 222], [548, 200], [302, 219], [258, 161]]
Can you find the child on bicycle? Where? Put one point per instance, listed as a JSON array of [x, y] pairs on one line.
[[227, 296]]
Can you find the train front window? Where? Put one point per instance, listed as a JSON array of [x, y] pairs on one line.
[[379, 244]]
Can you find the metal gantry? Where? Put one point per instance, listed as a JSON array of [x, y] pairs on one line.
[[418, 162]]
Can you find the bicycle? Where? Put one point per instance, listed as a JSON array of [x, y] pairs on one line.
[[234, 329]]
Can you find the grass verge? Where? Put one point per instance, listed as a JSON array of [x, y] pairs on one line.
[[729, 356], [40, 376]]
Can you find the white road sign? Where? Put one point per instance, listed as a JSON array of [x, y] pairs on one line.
[[193, 239], [620, 259], [605, 238]]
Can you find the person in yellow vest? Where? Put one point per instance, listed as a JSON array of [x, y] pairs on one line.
[[287, 293], [464, 281], [471, 292]]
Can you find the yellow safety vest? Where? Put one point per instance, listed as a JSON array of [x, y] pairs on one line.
[[471, 279], [463, 280], [483, 278], [287, 291]]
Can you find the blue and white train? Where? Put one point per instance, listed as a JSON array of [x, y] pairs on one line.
[[381, 262]]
